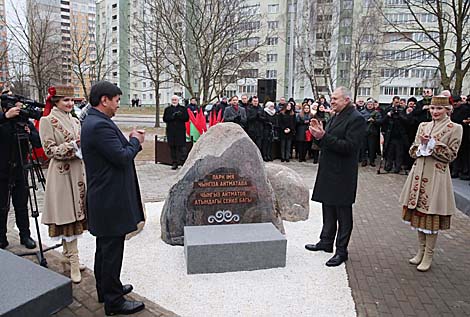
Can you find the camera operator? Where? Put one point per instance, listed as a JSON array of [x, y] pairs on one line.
[[396, 140], [11, 172]]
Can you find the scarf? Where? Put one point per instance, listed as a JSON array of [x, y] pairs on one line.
[[269, 111]]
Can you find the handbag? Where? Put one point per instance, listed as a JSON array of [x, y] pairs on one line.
[[308, 136]]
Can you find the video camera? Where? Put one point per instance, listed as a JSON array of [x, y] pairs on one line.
[[30, 109]]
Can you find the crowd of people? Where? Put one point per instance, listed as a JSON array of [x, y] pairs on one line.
[[90, 164], [391, 128]]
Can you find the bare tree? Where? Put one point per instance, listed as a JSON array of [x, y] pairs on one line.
[[315, 38], [366, 41], [438, 30], [36, 34], [148, 51], [19, 73], [206, 41]]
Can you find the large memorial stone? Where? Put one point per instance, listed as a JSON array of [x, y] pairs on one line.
[[222, 182], [291, 194]]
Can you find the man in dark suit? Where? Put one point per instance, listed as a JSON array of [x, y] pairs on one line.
[[113, 195], [175, 116], [336, 181]]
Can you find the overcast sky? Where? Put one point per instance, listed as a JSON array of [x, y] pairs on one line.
[[10, 15]]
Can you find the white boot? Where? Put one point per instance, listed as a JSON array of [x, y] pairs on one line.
[[428, 252], [72, 251], [422, 243]]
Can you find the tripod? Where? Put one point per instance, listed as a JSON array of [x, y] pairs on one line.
[[29, 166]]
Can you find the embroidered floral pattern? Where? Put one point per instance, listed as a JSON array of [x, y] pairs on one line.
[[63, 168], [441, 167], [81, 200], [423, 196]]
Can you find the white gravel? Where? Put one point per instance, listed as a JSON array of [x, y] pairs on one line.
[[305, 287]]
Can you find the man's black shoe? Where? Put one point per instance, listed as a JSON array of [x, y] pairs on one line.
[[127, 307], [174, 166], [28, 242], [126, 289], [319, 247], [3, 244], [337, 260], [364, 163], [372, 164]]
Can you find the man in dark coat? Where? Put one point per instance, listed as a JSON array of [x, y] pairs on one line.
[[113, 196], [255, 122], [235, 113], [395, 136], [175, 116], [336, 181], [12, 173]]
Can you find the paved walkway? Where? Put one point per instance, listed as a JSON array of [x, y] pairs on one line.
[[382, 281]]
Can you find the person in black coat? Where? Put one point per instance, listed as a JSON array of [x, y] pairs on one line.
[[14, 174], [175, 117], [372, 137], [255, 121], [270, 131], [396, 137], [113, 196], [336, 182], [286, 119], [459, 167]]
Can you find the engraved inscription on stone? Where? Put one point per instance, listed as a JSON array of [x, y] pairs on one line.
[[221, 197]]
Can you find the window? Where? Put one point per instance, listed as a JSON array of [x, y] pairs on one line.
[[115, 17], [271, 73], [250, 10], [248, 73], [114, 6], [252, 57], [363, 91], [247, 89], [324, 18], [394, 91], [346, 39], [273, 8], [114, 74], [344, 57], [366, 73], [273, 25], [144, 96], [272, 57], [272, 40], [323, 35], [144, 84], [343, 74]]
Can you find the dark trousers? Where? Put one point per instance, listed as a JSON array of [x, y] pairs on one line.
[[337, 221], [108, 263], [395, 154], [302, 148], [178, 154], [258, 140], [369, 148], [267, 149], [286, 145], [19, 197]]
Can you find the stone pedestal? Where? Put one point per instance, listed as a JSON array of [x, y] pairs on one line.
[[231, 248], [28, 289]]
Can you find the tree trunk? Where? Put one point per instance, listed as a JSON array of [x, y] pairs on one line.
[[157, 105]]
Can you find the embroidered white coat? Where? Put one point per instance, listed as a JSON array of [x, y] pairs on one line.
[[428, 188], [64, 200]]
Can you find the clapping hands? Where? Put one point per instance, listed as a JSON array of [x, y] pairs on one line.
[[316, 129], [138, 134]]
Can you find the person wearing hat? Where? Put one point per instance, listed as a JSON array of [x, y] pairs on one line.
[[427, 196], [114, 203], [64, 200]]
